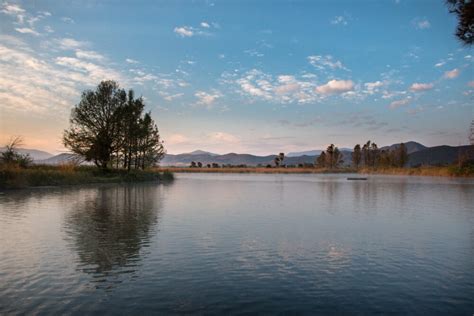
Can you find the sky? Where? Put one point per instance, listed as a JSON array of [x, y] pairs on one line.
[[256, 77]]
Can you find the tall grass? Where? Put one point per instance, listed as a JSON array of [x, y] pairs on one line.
[[14, 177], [434, 171], [255, 170]]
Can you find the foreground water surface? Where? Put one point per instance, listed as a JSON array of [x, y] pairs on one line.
[[225, 243]]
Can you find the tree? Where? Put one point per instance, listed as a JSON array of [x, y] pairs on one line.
[[330, 156], [95, 125], [337, 158], [150, 147], [321, 160], [278, 160], [200, 164], [11, 155], [356, 156], [464, 9], [333, 157], [129, 120], [108, 127], [366, 153], [402, 155], [193, 164], [374, 155]]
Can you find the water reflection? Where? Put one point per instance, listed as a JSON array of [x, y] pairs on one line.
[[109, 228]]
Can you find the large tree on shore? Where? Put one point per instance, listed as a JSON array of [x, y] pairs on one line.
[[95, 124], [108, 125]]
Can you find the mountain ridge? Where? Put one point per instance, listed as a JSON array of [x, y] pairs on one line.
[[418, 154]]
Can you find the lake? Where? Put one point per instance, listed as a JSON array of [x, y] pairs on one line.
[[241, 243]]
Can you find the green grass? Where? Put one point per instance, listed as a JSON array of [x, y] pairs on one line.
[[12, 177]]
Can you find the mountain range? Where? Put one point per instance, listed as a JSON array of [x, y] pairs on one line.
[[34, 153], [418, 154]]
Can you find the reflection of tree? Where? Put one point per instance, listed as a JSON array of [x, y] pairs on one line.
[[109, 226]]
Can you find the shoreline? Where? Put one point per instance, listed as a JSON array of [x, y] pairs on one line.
[[448, 171], [61, 176]]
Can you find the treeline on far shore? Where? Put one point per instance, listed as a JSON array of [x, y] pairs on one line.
[[368, 158]]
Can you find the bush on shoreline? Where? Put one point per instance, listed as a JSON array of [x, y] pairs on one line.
[[14, 177]]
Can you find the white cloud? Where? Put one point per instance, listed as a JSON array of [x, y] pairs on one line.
[[184, 31], [12, 9], [421, 23], [45, 13], [26, 30], [451, 74], [220, 137], [341, 20], [373, 87], [176, 139], [94, 73], [32, 84], [398, 103], [325, 62], [205, 25], [15, 11], [88, 54], [48, 29], [207, 99], [171, 97], [440, 64], [70, 44], [131, 61], [417, 87], [253, 53], [256, 84], [66, 19], [335, 86]]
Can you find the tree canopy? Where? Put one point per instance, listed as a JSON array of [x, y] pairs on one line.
[[464, 9], [109, 128]]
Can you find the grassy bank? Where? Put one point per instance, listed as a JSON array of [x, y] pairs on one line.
[[255, 170], [445, 171], [442, 171], [12, 177]]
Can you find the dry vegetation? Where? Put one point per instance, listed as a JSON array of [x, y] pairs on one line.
[[15, 177], [255, 170], [444, 171], [433, 171]]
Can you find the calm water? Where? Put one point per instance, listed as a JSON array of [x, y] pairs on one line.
[[241, 244]]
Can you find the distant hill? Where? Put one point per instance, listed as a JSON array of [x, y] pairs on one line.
[[34, 153], [418, 155], [59, 159], [439, 155], [239, 159], [411, 147], [201, 152], [315, 152]]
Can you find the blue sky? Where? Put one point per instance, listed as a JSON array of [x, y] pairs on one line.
[[242, 76]]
